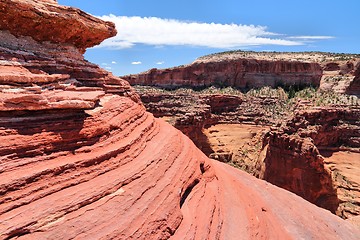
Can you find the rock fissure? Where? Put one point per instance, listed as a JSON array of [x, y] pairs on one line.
[[188, 191]]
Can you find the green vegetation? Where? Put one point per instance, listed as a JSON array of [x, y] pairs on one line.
[[300, 56], [287, 96], [327, 98], [268, 92], [225, 90]]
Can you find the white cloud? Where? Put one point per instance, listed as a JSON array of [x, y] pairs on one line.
[[108, 68], [136, 63], [160, 63], [159, 32], [115, 43], [113, 62], [311, 37]]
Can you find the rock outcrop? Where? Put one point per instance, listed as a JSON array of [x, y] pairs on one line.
[[303, 157], [354, 87], [228, 126], [72, 26], [246, 70], [191, 112], [80, 158], [240, 73]]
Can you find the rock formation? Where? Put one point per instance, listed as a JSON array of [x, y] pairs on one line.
[[231, 128], [81, 158], [338, 73], [84, 30], [314, 155], [240, 73], [354, 87], [191, 112], [246, 70]]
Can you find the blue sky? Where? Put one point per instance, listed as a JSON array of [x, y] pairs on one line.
[[164, 34]]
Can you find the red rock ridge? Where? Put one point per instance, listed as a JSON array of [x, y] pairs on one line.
[[241, 73], [80, 158]]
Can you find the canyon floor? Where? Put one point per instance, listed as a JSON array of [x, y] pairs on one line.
[[237, 144]]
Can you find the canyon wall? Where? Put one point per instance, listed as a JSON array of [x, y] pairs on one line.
[[191, 112], [240, 73], [354, 87], [196, 112], [81, 158], [312, 153], [246, 70], [299, 158]]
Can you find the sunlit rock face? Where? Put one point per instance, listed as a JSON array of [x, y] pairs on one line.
[[314, 154], [240, 73], [354, 87], [246, 70], [80, 158]]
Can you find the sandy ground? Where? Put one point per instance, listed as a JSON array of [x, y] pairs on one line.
[[238, 143]]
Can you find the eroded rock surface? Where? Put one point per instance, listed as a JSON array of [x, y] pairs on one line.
[[354, 87], [240, 73], [192, 111], [315, 154], [246, 70], [80, 158], [236, 144], [53, 23]]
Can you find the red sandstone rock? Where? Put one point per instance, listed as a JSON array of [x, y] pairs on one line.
[[54, 23], [27, 65], [222, 103], [122, 186], [298, 158], [246, 70], [80, 158], [56, 99], [19, 74], [240, 73], [354, 87]]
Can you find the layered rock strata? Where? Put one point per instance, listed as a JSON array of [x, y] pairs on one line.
[[246, 70], [191, 112], [354, 87], [196, 115], [240, 73], [301, 157], [80, 158], [72, 26]]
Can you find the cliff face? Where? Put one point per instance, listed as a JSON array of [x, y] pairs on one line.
[[313, 154], [354, 87], [246, 70], [191, 112], [81, 158], [303, 157], [240, 73]]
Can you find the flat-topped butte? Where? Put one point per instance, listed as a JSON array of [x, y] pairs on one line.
[[318, 57]]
